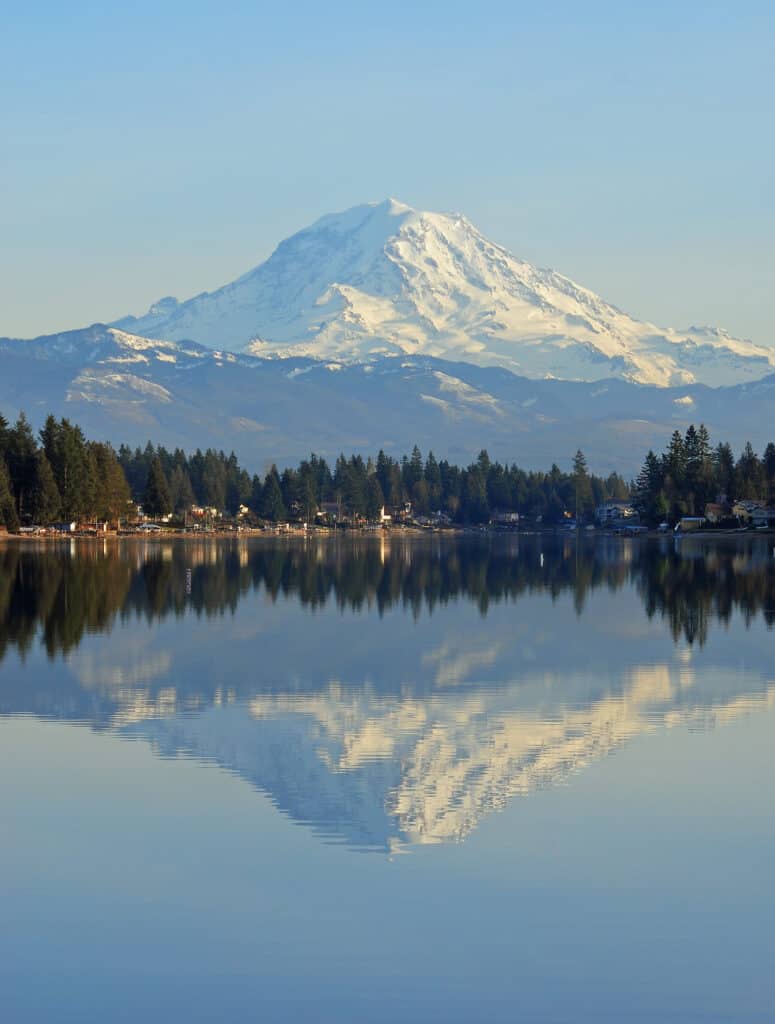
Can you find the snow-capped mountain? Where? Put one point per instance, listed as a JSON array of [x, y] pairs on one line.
[[385, 279]]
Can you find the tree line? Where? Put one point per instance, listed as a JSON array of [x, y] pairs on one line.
[[691, 473], [171, 481], [61, 475]]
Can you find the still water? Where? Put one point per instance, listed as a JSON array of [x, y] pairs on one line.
[[507, 779]]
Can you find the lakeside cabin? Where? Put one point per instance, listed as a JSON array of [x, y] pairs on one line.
[[616, 512], [63, 527], [763, 518], [687, 524]]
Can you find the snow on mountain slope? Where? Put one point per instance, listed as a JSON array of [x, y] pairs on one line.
[[384, 279]]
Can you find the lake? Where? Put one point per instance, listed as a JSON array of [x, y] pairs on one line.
[[388, 778]]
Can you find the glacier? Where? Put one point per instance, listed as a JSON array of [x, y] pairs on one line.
[[384, 279]]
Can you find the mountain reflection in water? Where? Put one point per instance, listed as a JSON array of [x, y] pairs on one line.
[[390, 691]]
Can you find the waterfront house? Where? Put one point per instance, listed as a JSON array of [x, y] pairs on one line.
[[687, 524], [763, 518], [505, 518], [715, 512], [614, 511], [63, 527]]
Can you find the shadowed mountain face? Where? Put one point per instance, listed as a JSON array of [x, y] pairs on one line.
[[389, 693], [125, 388]]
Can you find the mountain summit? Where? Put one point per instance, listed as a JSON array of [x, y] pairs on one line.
[[385, 279]]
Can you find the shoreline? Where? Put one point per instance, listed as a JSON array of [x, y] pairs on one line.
[[320, 534]]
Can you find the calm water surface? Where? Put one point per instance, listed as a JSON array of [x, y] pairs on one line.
[[515, 779]]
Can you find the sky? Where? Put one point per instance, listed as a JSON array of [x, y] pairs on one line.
[[165, 148]]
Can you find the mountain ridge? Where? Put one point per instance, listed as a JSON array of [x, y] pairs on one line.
[[125, 388]]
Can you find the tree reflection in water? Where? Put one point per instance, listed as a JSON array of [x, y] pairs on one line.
[[63, 593]]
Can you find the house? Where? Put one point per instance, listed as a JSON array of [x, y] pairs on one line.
[[744, 509], [505, 518], [687, 524], [330, 510], [763, 518], [614, 511], [715, 512], [63, 527]]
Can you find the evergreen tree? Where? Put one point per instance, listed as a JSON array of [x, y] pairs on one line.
[[649, 497], [724, 471], [474, 507], [432, 474], [256, 496], [67, 453], [413, 471], [46, 500], [307, 489], [272, 505], [674, 475], [749, 474], [112, 494], [375, 499], [8, 516], [3, 437], [214, 481], [157, 500], [768, 463], [20, 459], [181, 491], [582, 487]]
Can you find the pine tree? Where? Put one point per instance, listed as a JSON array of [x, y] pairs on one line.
[[674, 474], [112, 492], [214, 480], [375, 500], [749, 474], [724, 471], [72, 470], [20, 460], [474, 507], [3, 437], [181, 491], [8, 517], [272, 505], [46, 500], [414, 470], [157, 500], [768, 462], [256, 495], [582, 489]]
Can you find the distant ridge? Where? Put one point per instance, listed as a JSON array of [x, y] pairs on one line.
[[126, 388]]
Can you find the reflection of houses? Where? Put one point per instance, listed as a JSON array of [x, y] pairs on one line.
[[614, 512]]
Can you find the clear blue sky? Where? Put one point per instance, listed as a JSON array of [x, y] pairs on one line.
[[165, 148]]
